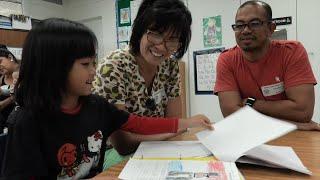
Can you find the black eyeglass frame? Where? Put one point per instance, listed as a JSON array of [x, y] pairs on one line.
[[156, 36], [252, 25]]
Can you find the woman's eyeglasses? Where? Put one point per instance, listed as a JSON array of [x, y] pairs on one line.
[[156, 38]]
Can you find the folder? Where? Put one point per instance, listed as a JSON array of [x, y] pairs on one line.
[[177, 160], [171, 150]]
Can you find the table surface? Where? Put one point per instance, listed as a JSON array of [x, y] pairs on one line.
[[306, 144]]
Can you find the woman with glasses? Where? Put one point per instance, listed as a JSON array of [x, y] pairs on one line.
[[144, 79]]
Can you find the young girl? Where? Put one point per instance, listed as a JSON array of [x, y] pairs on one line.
[[60, 129]]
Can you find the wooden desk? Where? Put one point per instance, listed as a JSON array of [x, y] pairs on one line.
[[305, 143]]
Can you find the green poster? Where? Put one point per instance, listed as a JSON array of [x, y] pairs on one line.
[[212, 35], [123, 11]]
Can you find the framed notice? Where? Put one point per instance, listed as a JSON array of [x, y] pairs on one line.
[[205, 62]]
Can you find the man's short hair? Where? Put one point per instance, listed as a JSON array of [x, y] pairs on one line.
[[266, 7]]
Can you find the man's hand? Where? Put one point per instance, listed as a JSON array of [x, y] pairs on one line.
[[310, 126], [243, 103]]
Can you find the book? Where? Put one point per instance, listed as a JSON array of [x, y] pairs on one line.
[[275, 157]]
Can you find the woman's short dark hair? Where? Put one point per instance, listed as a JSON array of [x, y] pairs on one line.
[[4, 52], [49, 51], [162, 16]]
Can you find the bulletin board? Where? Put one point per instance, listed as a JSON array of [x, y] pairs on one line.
[[205, 62], [126, 11], [123, 15]]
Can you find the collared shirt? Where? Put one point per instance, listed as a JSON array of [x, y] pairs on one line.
[[119, 81]]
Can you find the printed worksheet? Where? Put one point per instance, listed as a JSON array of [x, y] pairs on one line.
[[138, 169]]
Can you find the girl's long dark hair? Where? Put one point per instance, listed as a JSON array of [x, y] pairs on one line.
[[49, 51]]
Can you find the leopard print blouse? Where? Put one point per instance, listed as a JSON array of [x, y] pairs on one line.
[[119, 81]]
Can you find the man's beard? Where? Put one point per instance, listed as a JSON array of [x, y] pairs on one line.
[[250, 49], [254, 48]]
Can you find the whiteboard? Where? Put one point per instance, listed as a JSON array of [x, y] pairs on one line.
[[205, 62]]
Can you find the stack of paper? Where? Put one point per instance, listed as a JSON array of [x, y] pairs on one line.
[[274, 156], [171, 149], [243, 133]]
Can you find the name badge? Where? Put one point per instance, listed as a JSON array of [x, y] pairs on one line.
[[158, 95], [272, 89]]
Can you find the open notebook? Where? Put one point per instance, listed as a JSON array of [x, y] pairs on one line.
[[141, 169], [244, 133], [171, 160]]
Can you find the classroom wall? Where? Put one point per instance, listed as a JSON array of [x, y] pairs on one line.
[[39, 9], [208, 104], [308, 33], [99, 15]]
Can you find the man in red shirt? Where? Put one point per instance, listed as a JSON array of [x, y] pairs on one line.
[[274, 77]]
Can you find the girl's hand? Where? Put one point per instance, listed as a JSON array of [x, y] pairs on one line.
[[195, 121]]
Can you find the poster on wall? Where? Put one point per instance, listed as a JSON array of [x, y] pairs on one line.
[[205, 62], [124, 16], [123, 33], [7, 7], [123, 45], [212, 35], [134, 7]]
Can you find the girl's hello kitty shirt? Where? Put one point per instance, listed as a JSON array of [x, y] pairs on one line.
[[66, 145]]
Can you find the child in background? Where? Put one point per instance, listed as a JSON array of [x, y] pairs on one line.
[[60, 129], [8, 64]]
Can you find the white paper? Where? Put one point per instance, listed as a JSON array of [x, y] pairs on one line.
[[242, 131], [17, 52], [134, 6], [279, 156], [174, 169], [22, 25], [7, 8], [171, 149], [123, 33]]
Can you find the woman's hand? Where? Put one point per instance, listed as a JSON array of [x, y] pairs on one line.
[[195, 121]]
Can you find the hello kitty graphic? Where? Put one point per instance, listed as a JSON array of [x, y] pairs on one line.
[[67, 156], [77, 163]]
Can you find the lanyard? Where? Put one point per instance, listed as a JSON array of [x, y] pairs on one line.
[[255, 80]]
